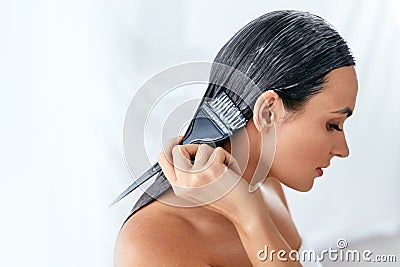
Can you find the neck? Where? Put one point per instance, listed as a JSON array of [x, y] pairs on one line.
[[247, 148]]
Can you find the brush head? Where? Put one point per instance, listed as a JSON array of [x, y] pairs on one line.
[[215, 121], [227, 112]]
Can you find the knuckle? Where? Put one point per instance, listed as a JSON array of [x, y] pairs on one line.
[[188, 182], [175, 148], [210, 172], [169, 143], [161, 157], [173, 140], [203, 146], [219, 150], [194, 181]]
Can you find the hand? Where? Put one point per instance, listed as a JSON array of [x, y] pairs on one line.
[[213, 179]]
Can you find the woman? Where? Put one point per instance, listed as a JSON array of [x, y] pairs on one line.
[[309, 87]]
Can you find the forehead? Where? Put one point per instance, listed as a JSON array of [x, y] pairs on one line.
[[339, 91]]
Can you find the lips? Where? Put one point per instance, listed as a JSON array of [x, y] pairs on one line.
[[319, 170]]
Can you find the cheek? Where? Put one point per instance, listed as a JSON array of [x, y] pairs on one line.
[[299, 150], [306, 143]]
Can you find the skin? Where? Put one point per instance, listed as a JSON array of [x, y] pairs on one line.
[[224, 233]]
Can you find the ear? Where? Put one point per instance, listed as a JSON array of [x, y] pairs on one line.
[[267, 107]]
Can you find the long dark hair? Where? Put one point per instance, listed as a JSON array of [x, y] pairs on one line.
[[287, 51]]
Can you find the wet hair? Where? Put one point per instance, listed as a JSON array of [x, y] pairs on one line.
[[287, 51]]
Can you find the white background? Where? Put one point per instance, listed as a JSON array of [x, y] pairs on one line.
[[68, 70]]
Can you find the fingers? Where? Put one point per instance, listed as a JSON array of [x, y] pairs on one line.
[[169, 145], [182, 154], [204, 152], [223, 156], [165, 159], [167, 167], [176, 159]]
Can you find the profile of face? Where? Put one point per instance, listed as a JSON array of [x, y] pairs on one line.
[[308, 139]]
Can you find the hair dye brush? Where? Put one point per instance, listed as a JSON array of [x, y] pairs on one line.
[[214, 122]]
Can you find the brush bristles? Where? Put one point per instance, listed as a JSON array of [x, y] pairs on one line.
[[227, 112]]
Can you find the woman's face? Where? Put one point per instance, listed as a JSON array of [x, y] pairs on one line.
[[308, 141]]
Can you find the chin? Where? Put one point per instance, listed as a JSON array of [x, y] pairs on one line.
[[305, 186], [305, 189]]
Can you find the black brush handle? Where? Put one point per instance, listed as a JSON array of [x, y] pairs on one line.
[[143, 178]]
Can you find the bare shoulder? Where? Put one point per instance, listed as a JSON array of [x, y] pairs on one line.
[[149, 238]]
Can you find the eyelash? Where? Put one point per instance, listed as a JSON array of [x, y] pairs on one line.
[[333, 126]]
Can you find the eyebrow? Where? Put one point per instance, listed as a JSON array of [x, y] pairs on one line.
[[345, 110]]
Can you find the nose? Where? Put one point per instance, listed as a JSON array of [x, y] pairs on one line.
[[340, 148]]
